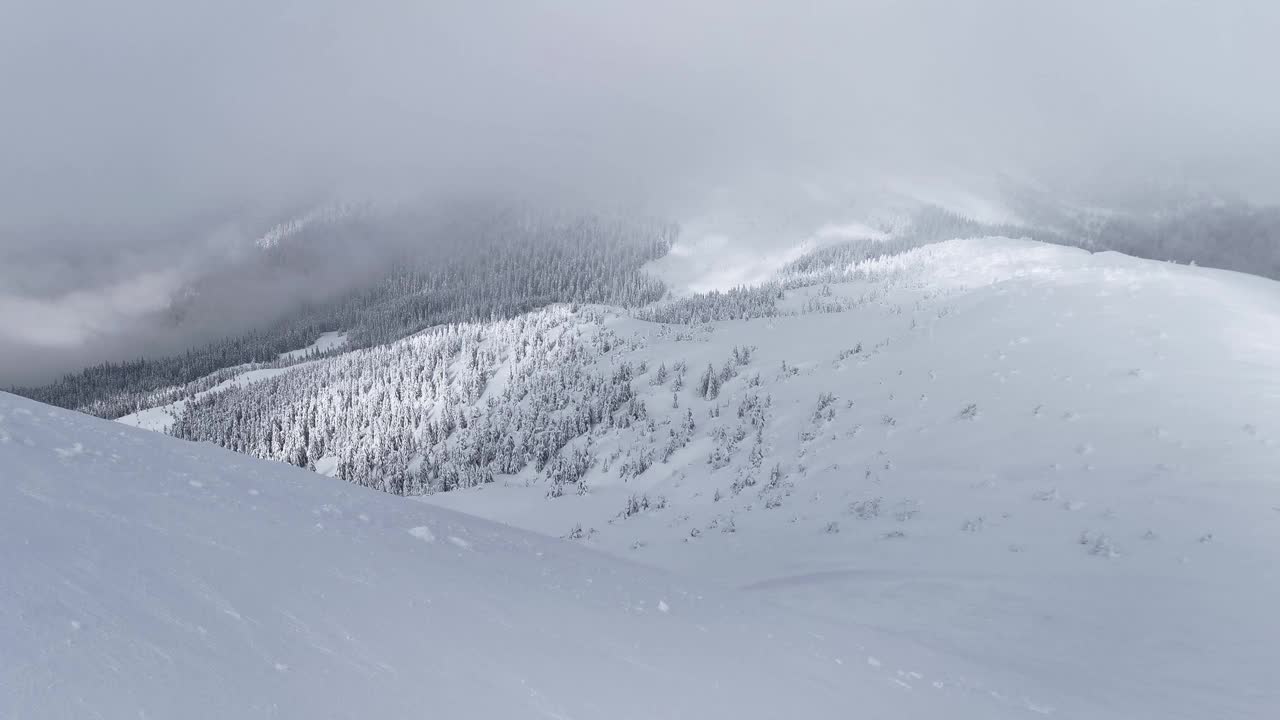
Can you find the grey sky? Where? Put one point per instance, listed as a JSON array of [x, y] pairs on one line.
[[125, 119], [144, 107]]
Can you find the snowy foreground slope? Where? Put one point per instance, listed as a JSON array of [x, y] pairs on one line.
[[1059, 465], [143, 576]]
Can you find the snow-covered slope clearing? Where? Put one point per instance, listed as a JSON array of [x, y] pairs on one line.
[[161, 417], [327, 342], [141, 576]]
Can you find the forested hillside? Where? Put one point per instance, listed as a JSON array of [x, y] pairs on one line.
[[460, 404], [473, 263]]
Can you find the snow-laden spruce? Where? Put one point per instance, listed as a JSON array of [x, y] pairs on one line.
[[147, 577]]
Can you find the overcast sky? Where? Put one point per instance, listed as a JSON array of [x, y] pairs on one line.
[[124, 119]]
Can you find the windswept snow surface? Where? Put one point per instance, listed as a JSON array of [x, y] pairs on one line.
[[142, 576], [1060, 465]]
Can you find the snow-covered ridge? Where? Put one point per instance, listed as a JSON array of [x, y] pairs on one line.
[[1056, 460], [147, 577]]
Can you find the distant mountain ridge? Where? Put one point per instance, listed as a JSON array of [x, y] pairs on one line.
[[380, 274]]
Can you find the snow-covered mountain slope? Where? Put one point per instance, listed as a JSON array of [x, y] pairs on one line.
[[1063, 464], [148, 577], [1058, 465]]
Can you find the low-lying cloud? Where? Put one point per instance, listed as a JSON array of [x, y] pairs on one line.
[[122, 118]]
